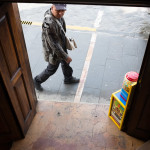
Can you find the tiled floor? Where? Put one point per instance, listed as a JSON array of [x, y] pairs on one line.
[[74, 126]]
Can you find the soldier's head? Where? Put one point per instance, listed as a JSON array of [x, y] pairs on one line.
[[58, 10]]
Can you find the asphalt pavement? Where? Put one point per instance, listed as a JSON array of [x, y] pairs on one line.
[[121, 35]]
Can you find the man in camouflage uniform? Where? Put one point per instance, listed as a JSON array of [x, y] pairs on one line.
[[54, 46]]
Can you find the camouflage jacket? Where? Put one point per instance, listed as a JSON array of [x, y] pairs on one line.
[[53, 39]]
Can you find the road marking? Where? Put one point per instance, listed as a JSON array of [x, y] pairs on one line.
[[26, 22], [37, 23], [68, 26], [88, 60], [85, 69], [81, 28], [98, 19]]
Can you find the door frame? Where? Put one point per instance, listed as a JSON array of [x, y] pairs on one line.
[[137, 3]]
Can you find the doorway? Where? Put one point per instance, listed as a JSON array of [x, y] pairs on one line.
[[121, 39], [77, 106]]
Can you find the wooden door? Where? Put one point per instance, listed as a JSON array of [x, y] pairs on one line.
[[138, 121], [14, 67], [9, 129]]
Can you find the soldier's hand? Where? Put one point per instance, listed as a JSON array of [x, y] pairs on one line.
[[68, 60]]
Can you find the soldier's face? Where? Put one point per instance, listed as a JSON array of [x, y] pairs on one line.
[[57, 13]]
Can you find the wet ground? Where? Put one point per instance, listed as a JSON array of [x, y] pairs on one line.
[[119, 46]]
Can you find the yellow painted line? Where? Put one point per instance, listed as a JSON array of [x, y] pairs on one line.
[[68, 26], [26, 22], [37, 23], [81, 28]]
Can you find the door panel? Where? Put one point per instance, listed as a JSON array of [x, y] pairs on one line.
[[22, 96], [14, 66], [145, 115], [10, 53], [8, 126], [3, 128], [138, 123]]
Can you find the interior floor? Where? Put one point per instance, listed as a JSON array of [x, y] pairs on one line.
[[74, 126]]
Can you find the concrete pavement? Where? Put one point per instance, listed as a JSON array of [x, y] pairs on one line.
[[114, 54]]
